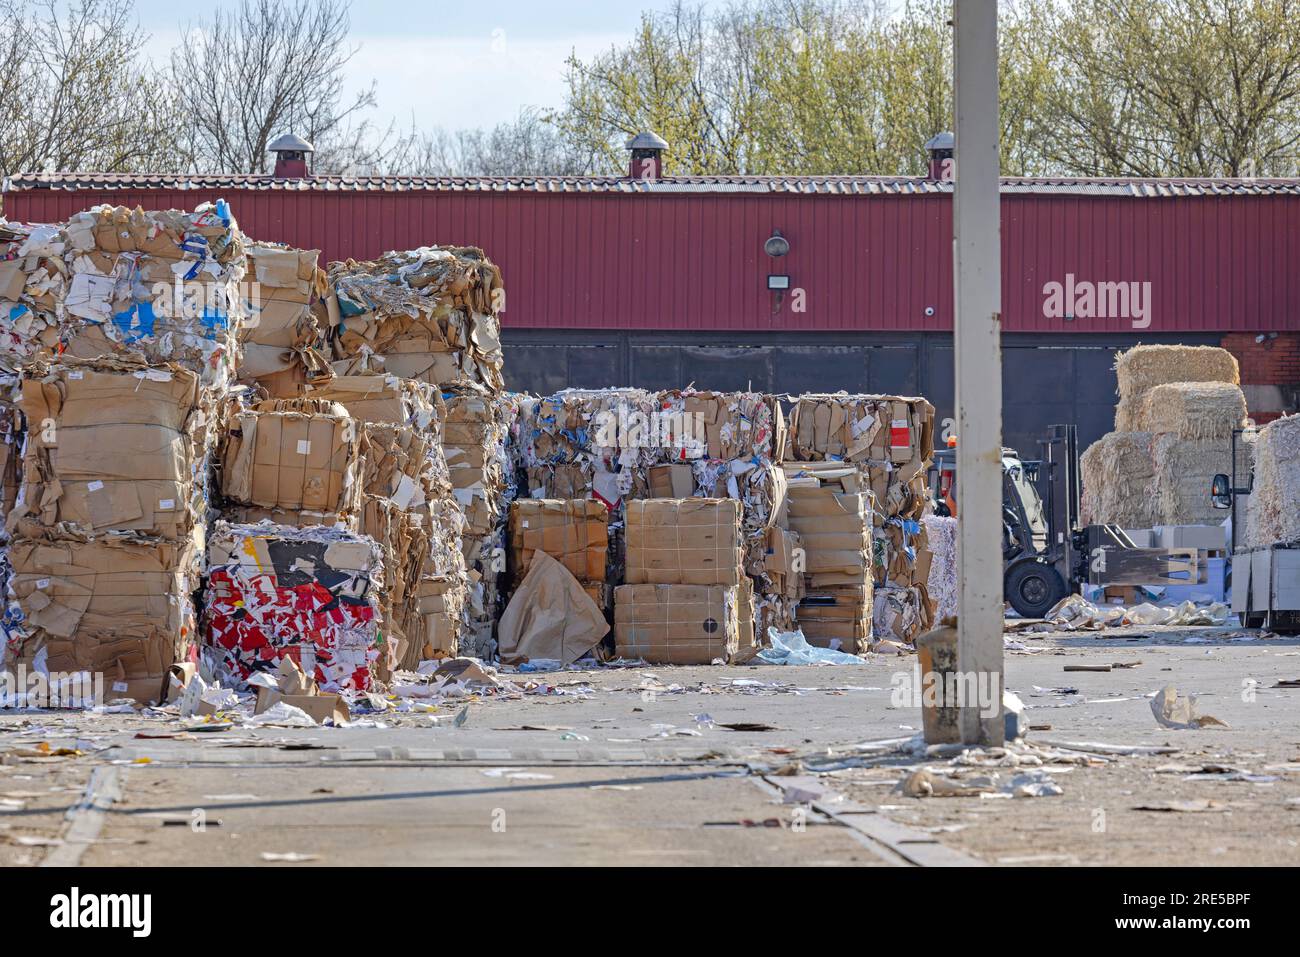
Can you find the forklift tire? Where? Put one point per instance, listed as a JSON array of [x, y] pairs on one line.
[[1033, 588]]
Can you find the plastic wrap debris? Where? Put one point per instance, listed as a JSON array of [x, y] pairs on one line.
[[1173, 710], [428, 314], [308, 593], [550, 616], [283, 342], [791, 648], [888, 441], [1074, 613]]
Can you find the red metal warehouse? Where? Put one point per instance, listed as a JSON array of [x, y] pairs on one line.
[[661, 282]]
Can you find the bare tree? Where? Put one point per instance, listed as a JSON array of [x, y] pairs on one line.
[[74, 93], [529, 145], [266, 68]]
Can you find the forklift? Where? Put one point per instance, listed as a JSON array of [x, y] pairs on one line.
[[1047, 553]]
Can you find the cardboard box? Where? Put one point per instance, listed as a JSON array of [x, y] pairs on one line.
[[671, 481], [292, 454], [692, 541], [837, 618], [575, 532], [112, 606], [676, 624], [115, 447]]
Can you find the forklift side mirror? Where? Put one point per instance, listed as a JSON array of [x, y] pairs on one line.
[[1220, 492]]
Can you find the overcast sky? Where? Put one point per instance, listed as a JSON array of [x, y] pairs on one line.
[[461, 64]]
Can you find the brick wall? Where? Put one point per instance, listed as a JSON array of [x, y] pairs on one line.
[[1270, 372]]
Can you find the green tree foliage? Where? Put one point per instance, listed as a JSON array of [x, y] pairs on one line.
[[1091, 87]]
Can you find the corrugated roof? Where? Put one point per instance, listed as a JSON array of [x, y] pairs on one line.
[[804, 185]]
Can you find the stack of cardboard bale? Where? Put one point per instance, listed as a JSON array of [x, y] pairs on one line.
[[478, 426], [687, 599], [360, 454], [733, 442], [623, 445], [283, 341], [573, 531], [833, 516], [889, 440], [107, 528], [1178, 408], [430, 315]]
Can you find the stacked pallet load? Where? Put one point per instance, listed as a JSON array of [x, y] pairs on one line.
[[107, 531], [833, 516], [123, 329], [1177, 411], [687, 599], [283, 341], [889, 440]]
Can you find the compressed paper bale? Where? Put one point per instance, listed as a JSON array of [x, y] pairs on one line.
[[941, 530], [1192, 410], [1144, 367], [1273, 511], [1183, 470], [1117, 473]]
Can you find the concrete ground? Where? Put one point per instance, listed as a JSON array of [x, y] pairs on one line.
[[638, 766]]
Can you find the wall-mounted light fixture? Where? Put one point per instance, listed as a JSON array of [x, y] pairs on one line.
[[776, 246]]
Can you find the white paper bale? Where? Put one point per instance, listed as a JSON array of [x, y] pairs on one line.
[[1273, 509]]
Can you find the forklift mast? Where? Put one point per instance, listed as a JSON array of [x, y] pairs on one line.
[[1060, 488]]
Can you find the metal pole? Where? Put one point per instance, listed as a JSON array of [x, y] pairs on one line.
[[977, 254]]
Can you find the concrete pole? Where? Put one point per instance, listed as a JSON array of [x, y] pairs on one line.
[[977, 250]]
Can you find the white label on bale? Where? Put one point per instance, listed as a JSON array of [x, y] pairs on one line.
[[76, 374], [120, 686], [166, 504], [304, 447], [94, 486], [43, 583]]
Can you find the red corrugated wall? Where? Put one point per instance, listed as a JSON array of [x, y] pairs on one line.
[[694, 261]]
